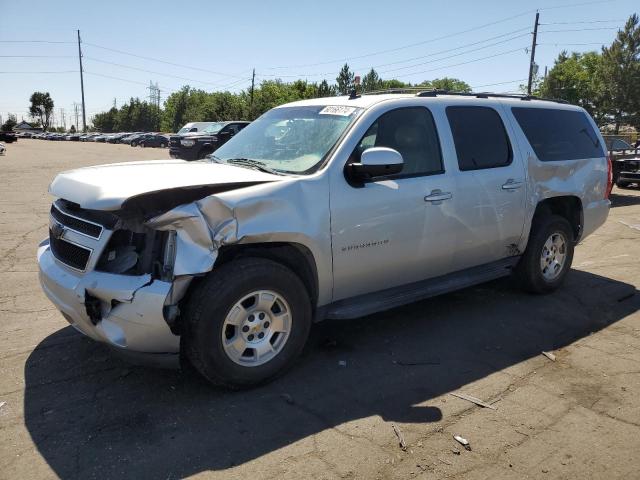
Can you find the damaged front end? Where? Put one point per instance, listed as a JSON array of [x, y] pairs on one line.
[[112, 277]]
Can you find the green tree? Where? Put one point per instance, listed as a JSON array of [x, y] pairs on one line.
[[72, 129], [446, 83], [371, 81], [577, 79], [41, 108], [621, 74], [345, 80], [326, 90], [11, 122]]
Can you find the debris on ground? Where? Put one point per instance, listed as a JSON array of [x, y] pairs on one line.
[[401, 442], [287, 398], [2, 404], [444, 461], [455, 451], [550, 356], [475, 400], [342, 363], [462, 441]]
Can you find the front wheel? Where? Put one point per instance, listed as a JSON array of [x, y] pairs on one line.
[[246, 322], [622, 184], [548, 255]]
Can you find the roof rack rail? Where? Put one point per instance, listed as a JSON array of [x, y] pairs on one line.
[[420, 92]]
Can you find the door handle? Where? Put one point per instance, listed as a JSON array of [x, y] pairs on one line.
[[512, 185], [437, 196]]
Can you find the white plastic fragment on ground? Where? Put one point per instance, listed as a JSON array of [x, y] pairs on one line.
[[462, 441], [475, 400], [550, 356]]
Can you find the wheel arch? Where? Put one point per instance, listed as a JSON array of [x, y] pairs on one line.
[[566, 206]]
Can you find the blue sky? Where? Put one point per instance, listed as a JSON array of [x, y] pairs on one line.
[[222, 41]]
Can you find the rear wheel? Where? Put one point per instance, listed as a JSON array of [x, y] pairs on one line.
[[163, 145], [622, 184], [247, 322], [548, 255]]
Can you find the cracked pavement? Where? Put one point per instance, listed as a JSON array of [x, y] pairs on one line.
[[73, 411]]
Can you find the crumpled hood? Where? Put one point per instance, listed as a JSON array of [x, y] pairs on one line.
[[107, 187]]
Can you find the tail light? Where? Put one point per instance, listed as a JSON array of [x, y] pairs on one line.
[[609, 177]]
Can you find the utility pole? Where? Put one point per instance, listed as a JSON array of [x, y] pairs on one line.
[[75, 111], [64, 119], [532, 62], [84, 118], [253, 84]]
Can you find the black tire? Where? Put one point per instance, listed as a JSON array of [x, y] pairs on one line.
[[529, 271], [163, 145], [622, 184], [209, 305], [203, 154]]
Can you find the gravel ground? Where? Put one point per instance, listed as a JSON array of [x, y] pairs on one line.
[[71, 410]]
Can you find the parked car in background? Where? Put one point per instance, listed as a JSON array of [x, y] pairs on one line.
[[136, 139], [154, 140], [197, 145], [618, 145], [8, 137], [128, 138]]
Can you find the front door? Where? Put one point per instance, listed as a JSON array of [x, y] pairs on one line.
[[399, 229]]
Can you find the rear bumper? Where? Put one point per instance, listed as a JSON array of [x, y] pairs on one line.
[[595, 214], [632, 177], [132, 307]]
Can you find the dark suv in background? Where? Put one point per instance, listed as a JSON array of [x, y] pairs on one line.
[[197, 145]]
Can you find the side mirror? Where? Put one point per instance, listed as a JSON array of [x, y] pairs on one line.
[[376, 162]]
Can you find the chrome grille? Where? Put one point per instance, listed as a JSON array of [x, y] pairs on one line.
[[69, 253], [76, 223]]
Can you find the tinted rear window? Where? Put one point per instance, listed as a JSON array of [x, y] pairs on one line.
[[558, 134], [480, 138]]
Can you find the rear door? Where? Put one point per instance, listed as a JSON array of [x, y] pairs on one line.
[[490, 181]]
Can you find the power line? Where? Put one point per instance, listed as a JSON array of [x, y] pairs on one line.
[[457, 54], [584, 22], [161, 61], [150, 71], [40, 72], [37, 56], [403, 47], [579, 29], [32, 41], [500, 83], [467, 62]]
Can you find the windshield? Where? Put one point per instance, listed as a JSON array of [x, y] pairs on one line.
[[290, 139]]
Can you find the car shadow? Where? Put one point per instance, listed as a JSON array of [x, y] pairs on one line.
[[91, 415], [624, 200]]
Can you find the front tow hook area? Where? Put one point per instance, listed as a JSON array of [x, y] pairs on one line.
[[93, 306]]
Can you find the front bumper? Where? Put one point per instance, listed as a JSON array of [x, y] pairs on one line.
[[184, 153], [132, 319]]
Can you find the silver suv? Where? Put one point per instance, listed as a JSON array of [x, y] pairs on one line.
[[326, 208]]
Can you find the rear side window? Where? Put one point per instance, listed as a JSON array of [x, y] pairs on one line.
[[480, 138], [558, 134]]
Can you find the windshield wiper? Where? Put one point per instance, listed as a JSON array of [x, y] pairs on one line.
[[254, 164]]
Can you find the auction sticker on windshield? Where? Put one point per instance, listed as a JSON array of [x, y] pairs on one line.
[[337, 110]]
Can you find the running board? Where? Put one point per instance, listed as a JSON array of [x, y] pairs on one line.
[[369, 303]]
